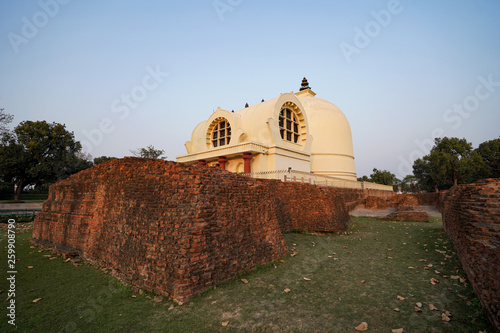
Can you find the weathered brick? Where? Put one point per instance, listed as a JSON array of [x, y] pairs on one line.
[[471, 218], [178, 229]]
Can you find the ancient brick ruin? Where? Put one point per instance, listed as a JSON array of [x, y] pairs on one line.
[[471, 218], [178, 229], [307, 207], [372, 202], [408, 209]]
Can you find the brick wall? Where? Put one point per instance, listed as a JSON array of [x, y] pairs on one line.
[[309, 207], [354, 197], [178, 229], [428, 199], [471, 218]]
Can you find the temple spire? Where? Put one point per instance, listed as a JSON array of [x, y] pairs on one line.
[[305, 90], [304, 84]]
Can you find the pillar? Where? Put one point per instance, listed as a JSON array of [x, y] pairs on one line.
[[202, 162], [247, 167], [222, 162]]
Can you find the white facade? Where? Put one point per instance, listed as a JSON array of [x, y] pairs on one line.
[[297, 131]]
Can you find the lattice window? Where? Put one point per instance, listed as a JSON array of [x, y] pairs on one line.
[[221, 134], [289, 125]]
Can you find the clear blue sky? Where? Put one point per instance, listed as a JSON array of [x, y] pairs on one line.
[[421, 70]]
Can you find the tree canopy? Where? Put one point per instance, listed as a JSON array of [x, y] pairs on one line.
[[490, 153], [101, 159], [383, 177], [37, 152], [5, 119], [450, 162], [149, 152]]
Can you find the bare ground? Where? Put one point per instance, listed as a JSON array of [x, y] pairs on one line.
[[360, 210]]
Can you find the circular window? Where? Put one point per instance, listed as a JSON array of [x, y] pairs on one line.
[[221, 133], [289, 125]]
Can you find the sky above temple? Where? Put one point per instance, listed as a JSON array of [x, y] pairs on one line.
[[127, 74]]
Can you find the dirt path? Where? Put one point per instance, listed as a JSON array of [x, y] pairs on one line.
[[362, 211]]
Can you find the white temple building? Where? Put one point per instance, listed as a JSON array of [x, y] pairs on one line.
[[294, 131]]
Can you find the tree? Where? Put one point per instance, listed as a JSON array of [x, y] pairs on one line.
[[383, 177], [5, 119], [490, 153], [76, 163], [38, 153], [422, 171], [101, 159], [149, 152], [450, 162], [364, 179], [410, 184]]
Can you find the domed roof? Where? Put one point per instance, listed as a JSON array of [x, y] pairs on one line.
[[328, 125], [322, 138]]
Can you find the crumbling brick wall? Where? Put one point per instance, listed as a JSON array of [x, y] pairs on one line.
[[372, 202], [309, 207], [354, 197], [471, 218], [177, 229], [428, 199]]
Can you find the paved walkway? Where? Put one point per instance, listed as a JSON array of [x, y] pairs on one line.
[[35, 205]]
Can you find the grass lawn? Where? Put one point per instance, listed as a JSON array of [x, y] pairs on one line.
[[335, 282]]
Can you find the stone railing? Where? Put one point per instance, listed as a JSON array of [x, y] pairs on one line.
[[227, 151], [315, 179]]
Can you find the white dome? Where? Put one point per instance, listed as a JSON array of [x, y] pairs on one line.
[[331, 149], [322, 139]]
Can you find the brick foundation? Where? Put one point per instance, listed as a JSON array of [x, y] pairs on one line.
[[471, 218], [178, 229], [372, 202], [354, 197], [309, 207]]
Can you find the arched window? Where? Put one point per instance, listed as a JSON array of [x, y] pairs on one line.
[[289, 125], [221, 134]]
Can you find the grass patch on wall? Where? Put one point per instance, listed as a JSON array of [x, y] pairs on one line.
[[331, 284]]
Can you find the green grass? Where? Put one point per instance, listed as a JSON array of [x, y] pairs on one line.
[[84, 299]]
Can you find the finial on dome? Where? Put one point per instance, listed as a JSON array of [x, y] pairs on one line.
[[304, 84], [305, 90]]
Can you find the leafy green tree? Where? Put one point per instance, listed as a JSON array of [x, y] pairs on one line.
[[364, 179], [101, 159], [422, 171], [490, 153], [383, 177], [149, 152], [450, 162], [410, 184], [36, 153], [76, 163]]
